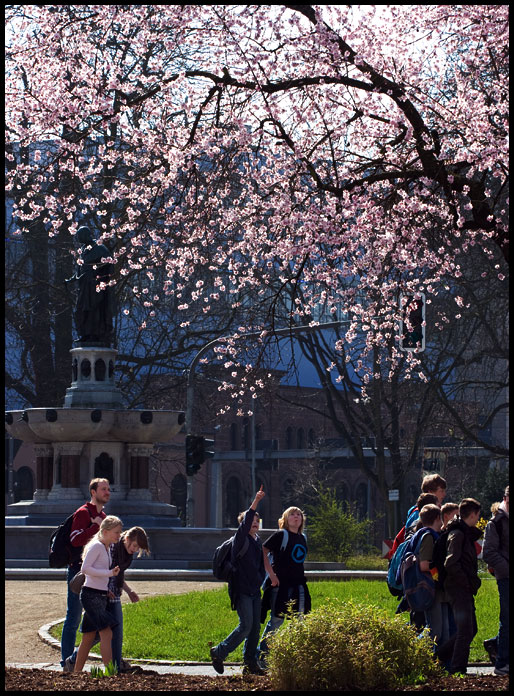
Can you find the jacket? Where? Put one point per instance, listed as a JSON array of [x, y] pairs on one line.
[[496, 545], [461, 562]]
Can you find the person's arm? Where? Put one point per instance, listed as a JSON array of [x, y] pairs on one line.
[[258, 497], [96, 553], [133, 595], [452, 563], [268, 567], [83, 528]]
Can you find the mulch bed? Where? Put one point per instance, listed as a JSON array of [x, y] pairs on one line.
[[44, 680]]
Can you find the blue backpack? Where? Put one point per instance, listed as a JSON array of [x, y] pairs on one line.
[[418, 587], [395, 585]]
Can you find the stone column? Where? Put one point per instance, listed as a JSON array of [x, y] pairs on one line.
[[67, 467], [44, 470], [139, 465]]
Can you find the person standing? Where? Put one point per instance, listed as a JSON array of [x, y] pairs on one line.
[[286, 574], [96, 566], [86, 523], [461, 584], [133, 540], [245, 592], [496, 555]]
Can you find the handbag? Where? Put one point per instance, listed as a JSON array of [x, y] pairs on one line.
[[77, 581]]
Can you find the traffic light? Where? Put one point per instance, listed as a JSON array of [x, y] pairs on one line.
[[198, 449], [412, 324]]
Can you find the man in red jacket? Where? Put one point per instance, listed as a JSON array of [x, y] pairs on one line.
[[86, 523]]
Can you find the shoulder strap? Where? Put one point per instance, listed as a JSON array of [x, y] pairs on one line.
[[285, 539], [244, 548]]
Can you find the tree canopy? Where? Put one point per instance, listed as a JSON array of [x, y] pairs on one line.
[[338, 156]]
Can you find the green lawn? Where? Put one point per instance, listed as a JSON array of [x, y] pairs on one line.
[[178, 627]]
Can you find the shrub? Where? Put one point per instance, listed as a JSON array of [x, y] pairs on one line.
[[351, 647], [334, 532]]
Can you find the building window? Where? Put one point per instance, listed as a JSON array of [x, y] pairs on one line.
[[234, 502], [361, 495], [104, 467], [23, 484], [289, 438], [234, 440]]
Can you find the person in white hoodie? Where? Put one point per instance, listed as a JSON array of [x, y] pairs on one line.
[[96, 566], [496, 555]]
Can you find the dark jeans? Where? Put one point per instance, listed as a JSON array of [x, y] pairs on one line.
[[249, 612], [72, 620], [503, 633], [455, 651]]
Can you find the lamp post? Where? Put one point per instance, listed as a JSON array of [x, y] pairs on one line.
[[190, 393]]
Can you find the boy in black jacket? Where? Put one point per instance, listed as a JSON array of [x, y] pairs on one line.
[[461, 584], [245, 593]]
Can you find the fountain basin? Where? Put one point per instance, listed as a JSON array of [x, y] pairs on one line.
[[45, 425]]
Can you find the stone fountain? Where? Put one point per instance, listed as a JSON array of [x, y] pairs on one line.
[[92, 434]]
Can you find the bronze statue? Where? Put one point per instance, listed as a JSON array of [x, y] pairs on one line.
[[94, 309]]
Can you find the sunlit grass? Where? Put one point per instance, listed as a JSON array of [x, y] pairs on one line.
[[179, 627]]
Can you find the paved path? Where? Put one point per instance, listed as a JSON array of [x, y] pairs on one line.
[[32, 606]]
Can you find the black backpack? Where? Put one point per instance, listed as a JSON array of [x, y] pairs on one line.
[[222, 567], [60, 552], [439, 557]]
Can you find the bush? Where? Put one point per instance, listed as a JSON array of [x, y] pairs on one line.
[[351, 647], [333, 532]]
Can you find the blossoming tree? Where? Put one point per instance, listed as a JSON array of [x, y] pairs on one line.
[[353, 152]]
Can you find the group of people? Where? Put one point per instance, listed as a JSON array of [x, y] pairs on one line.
[[102, 552], [451, 620], [278, 567]]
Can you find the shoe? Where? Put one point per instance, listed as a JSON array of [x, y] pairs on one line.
[[253, 668], [500, 671], [132, 669], [69, 666], [491, 648], [216, 662]]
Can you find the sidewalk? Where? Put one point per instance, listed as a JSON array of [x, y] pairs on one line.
[[203, 668]]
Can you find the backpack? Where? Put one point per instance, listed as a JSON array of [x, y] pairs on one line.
[[222, 566], [438, 559], [395, 586], [418, 587], [60, 551]]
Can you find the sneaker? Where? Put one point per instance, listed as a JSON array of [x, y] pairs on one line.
[[253, 668], [217, 663], [69, 666], [491, 648], [500, 671]]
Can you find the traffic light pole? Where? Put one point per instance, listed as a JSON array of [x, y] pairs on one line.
[[288, 331]]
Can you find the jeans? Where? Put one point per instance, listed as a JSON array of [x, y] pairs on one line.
[[72, 620], [503, 633], [455, 650], [275, 622], [437, 620], [114, 607], [249, 611]]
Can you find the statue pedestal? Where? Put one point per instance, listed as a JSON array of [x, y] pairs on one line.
[[92, 383]]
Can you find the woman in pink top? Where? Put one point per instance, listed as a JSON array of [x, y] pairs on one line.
[[93, 595]]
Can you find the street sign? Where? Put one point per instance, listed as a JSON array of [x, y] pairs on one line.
[[394, 494]]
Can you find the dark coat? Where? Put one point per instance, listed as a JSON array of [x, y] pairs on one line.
[[496, 545], [461, 562]]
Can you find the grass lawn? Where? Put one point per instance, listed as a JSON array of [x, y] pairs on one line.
[[178, 627]]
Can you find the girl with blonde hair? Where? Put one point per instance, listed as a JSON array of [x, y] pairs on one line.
[[96, 566], [284, 555]]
